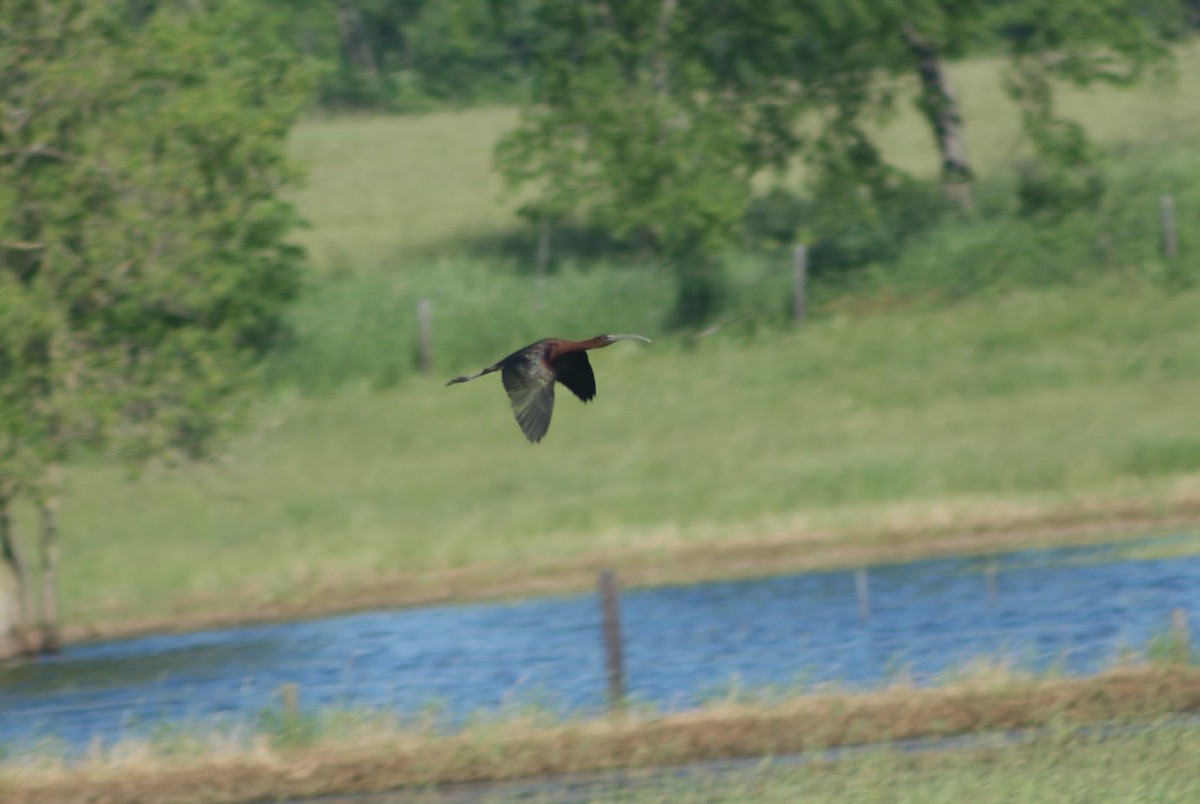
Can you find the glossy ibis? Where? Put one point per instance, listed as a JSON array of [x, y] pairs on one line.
[[529, 373]]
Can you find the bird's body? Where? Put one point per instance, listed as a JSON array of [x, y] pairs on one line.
[[529, 374]]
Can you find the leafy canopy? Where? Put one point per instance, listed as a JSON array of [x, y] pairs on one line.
[[651, 118], [143, 252]]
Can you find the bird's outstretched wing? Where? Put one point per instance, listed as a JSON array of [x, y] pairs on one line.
[[530, 387], [575, 371]]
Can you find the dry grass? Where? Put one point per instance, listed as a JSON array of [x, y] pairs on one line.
[[387, 759]]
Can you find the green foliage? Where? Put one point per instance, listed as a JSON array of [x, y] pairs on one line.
[[1021, 245], [1169, 647], [289, 728], [661, 171], [352, 330], [412, 55], [1081, 43], [140, 214], [846, 232], [27, 334], [653, 121], [472, 51], [142, 253], [631, 129], [1054, 188]]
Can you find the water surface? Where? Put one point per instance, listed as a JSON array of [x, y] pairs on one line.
[[1073, 608]]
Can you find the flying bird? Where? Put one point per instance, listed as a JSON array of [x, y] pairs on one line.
[[528, 375]]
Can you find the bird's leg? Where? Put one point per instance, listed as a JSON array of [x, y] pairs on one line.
[[467, 377]]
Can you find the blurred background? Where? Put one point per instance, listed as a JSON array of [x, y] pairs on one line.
[[921, 279]]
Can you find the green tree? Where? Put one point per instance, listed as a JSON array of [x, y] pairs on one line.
[[142, 235], [651, 126], [651, 118], [406, 55], [1113, 42]]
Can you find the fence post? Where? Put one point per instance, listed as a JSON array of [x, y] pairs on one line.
[[989, 579], [614, 662], [1183, 636], [425, 335], [1170, 245], [799, 282], [864, 593], [289, 697]]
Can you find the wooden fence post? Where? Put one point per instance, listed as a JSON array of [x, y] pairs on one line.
[[1183, 636], [614, 662], [799, 282], [425, 335], [289, 697], [864, 593]]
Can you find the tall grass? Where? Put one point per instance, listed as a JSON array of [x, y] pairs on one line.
[[365, 329]]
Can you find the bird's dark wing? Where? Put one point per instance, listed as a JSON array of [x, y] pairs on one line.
[[575, 371], [529, 383]]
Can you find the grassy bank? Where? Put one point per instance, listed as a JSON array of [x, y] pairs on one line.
[[343, 756]]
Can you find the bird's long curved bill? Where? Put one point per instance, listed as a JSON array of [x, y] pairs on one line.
[[631, 338]]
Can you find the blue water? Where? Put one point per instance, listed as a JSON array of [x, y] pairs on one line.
[[1076, 608]]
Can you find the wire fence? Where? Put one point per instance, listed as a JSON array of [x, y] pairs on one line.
[[670, 649], [773, 286]]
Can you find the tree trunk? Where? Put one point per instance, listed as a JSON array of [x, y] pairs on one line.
[[16, 592], [48, 515], [353, 34], [939, 104], [662, 36]]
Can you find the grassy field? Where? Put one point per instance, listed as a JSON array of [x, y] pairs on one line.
[[1050, 385], [1145, 766]]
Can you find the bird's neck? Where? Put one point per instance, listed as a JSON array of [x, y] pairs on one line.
[[597, 342], [560, 346]]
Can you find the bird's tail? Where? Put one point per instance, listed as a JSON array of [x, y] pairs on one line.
[[467, 377]]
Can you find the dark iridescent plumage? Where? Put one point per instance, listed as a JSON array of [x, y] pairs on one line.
[[529, 374]]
